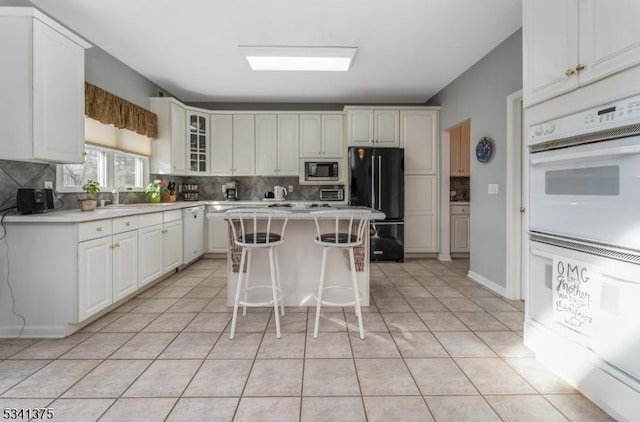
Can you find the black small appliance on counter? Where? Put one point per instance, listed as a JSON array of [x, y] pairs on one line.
[[32, 201]]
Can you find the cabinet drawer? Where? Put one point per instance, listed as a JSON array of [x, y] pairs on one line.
[[146, 220], [94, 229], [172, 215], [124, 224], [460, 209]]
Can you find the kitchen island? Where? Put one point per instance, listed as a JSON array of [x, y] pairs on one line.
[[299, 261]]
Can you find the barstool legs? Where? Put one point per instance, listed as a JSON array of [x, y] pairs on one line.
[[237, 298], [246, 281], [275, 257], [320, 290], [356, 292], [274, 289]]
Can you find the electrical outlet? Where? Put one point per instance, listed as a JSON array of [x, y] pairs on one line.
[[290, 188], [48, 184]]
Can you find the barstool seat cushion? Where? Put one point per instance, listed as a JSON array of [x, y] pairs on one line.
[[259, 237], [342, 238]]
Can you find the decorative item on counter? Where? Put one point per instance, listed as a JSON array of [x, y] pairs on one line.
[[168, 191], [152, 191], [88, 203], [190, 190]]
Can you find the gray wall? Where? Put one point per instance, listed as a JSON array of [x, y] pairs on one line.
[[480, 94]]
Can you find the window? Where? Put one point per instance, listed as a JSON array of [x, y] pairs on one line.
[[110, 168]]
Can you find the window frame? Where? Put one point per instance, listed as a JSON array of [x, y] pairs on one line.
[[109, 172]]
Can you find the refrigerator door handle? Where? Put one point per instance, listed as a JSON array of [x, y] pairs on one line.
[[379, 182], [373, 181]]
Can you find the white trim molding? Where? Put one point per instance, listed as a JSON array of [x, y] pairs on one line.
[[491, 285], [445, 241]]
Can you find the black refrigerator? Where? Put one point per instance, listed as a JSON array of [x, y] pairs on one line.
[[376, 180]]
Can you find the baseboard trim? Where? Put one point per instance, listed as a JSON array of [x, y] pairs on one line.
[[491, 285], [444, 257]]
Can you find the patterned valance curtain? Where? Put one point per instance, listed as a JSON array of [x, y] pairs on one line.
[[107, 108]]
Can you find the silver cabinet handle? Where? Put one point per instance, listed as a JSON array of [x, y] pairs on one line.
[[99, 229], [127, 224]]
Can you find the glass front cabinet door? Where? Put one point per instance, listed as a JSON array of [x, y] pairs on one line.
[[198, 142]]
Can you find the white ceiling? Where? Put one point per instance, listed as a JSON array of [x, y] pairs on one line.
[[407, 49]]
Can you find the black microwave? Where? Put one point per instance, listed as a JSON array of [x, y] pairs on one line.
[[321, 171]]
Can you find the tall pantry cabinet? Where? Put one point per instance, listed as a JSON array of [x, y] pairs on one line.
[[419, 129]]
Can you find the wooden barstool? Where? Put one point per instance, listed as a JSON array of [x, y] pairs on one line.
[[347, 232], [258, 228]]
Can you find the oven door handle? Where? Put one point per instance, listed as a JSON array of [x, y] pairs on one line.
[[601, 153]]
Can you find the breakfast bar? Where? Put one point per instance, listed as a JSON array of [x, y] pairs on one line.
[[300, 261]]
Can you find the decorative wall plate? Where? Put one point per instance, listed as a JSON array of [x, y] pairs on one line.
[[484, 149]]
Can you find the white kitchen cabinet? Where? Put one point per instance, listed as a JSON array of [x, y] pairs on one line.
[[95, 276], [419, 137], [276, 144], [150, 253], [421, 214], [197, 143], [168, 151], [125, 264], [321, 136], [172, 246], [460, 228], [373, 127], [571, 43], [233, 145], [217, 236], [159, 244], [42, 85]]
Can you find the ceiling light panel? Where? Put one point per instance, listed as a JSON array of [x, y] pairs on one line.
[[280, 58]]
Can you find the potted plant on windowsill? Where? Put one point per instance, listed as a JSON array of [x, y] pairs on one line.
[[152, 191], [88, 203]]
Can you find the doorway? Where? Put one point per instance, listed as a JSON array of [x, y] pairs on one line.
[[460, 190], [516, 192]]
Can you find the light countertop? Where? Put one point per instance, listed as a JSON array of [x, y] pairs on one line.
[[459, 203]]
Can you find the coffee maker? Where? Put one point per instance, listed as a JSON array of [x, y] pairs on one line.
[[231, 190]]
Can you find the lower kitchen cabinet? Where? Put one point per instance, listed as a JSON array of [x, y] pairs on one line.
[[95, 268], [460, 228], [150, 253], [125, 264], [172, 246], [421, 216], [160, 244], [217, 236]]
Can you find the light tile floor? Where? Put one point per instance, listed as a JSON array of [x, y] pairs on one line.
[[438, 347]]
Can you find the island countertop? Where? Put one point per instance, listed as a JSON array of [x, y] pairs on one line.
[[301, 211]]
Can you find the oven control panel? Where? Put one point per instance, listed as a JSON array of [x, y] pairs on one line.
[[619, 113]]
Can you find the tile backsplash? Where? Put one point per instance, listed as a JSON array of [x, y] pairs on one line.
[[17, 174]]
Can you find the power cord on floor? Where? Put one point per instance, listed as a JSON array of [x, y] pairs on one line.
[[6, 212]]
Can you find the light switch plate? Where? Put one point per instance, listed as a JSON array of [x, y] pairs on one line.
[[48, 184], [492, 188]]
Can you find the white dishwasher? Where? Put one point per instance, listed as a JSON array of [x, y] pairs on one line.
[[193, 233]]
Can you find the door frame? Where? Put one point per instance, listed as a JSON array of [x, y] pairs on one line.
[[445, 247], [516, 190]]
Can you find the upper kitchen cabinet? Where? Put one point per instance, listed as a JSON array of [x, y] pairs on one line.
[[459, 142], [373, 127], [233, 145], [198, 142], [419, 137], [169, 149], [321, 136], [276, 144], [42, 84], [569, 43]]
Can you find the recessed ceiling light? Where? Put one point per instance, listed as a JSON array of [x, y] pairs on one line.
[[298, 58]]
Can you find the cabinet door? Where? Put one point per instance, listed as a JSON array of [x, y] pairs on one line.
[[421, 217], [550, 48], [332, 136], [609, 37], [454, 151], [58, 96], [217, 236], [172, 245], [387, 128], [310, 136], [288, 145], [360, 127], [178, 140], [465, 140], [125, 264], [459, 233], [94, 276], [197, 142], [221, 145], [266, 145], [150, 241], [243, 145], [418, 135]]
